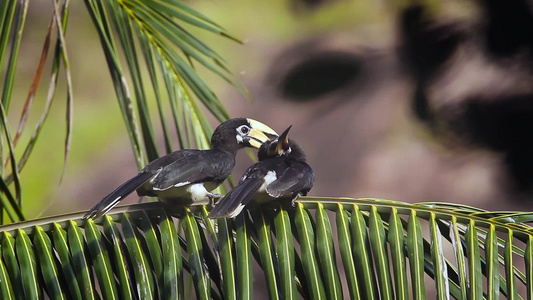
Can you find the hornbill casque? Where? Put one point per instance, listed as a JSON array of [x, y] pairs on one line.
[[281, 174], [188, 176]]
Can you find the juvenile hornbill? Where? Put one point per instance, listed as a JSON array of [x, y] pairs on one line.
[[281, 173], [189, 175]]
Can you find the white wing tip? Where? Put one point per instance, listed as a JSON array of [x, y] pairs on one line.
[[237, 211], [110, 205], [179, 184]]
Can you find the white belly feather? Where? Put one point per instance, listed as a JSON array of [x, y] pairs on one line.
[[186, 193]]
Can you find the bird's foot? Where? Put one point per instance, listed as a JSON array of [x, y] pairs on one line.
[[293, 203], [213, 199]]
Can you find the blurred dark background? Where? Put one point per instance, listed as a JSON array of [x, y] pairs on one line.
[[404, 101]]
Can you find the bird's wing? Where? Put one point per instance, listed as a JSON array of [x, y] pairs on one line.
[[109, 201], [235, 200], [192, 166], [298, 178]]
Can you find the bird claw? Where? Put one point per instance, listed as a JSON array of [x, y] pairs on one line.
[[213, 199], [293, 201]]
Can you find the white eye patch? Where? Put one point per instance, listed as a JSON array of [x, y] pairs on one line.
[[243, 130]]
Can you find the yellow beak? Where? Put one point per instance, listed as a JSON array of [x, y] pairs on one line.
[[260, 133], [280, 145], [283, 141]]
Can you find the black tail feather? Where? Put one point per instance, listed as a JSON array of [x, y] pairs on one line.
[[109, 201], [237, 198]]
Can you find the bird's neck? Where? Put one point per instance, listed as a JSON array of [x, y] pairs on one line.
[[297, 157], [230, 149], [297, 153]]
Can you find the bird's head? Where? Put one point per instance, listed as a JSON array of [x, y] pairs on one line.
[[280, 146], [241, 132]]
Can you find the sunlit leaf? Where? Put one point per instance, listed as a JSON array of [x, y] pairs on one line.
[[326, 254], [28, 265], [285, 254], [474, 267], [362, 254], [227, 259], [66, 264], [493, 265], [142, 252], [101, 261], [396, 241], [79, 253], [194, 253], [142, 269], [52, 277], [415, 250], [244, 259], [509, 267], [308, 245], [267, 254], [156, 29], [439, 263], [17, 19], [456, 241], [119, 257], [376, 233], [12, 265]]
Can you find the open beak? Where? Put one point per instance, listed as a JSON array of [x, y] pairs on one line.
[[280, 145], [283, 142], [260, 133]]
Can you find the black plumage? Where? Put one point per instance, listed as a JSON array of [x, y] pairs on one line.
[[281, 173], [188, 176]]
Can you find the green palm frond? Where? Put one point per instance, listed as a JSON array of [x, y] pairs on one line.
[[321, 248], [12, 26], [157, 29], [12, 20], [152, 39]]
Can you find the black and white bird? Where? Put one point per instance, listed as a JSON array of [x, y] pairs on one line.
[[188, 176], [281, 173]]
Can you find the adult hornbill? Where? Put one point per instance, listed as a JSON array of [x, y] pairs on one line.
[[189, 175], [281, 173]]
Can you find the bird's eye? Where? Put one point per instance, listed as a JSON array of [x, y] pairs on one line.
[[243, 129]]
